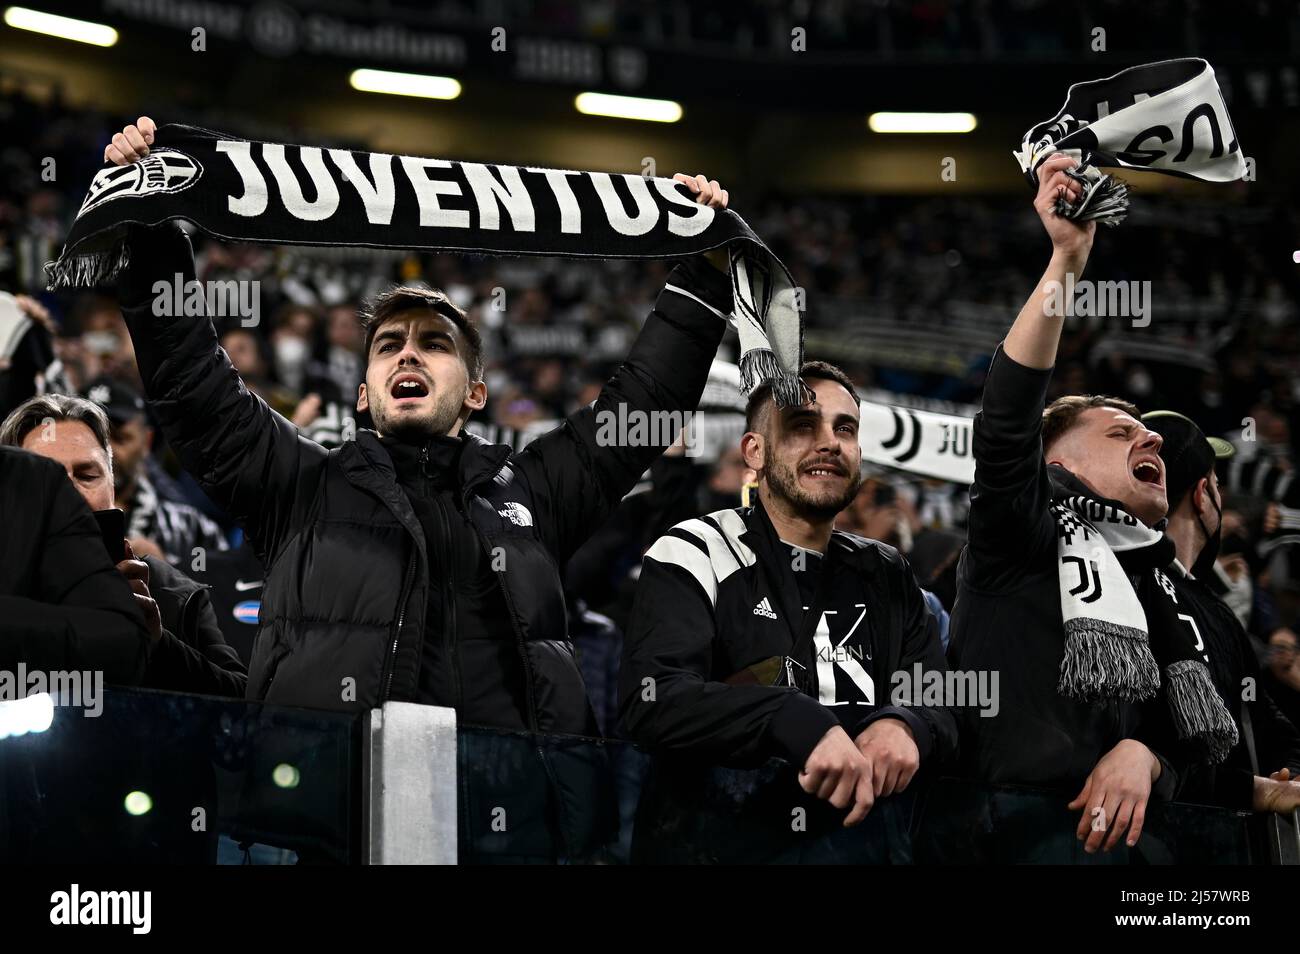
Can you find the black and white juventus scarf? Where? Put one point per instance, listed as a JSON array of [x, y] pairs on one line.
[[1161, 117], [1125, 637], [247, 191]]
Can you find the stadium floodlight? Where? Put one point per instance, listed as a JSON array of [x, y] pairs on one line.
[[628, 107], [405, 84], [921, 122], [65, 28]]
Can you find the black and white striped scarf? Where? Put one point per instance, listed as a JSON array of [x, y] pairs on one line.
[[1164, 117], [1126, 637]]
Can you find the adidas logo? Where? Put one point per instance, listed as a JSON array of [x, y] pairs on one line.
[[764, 608]]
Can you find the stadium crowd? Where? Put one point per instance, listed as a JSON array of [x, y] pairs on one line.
[[1224, 349]]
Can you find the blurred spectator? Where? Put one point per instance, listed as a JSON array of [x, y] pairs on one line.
[[157, 524], [62, 605], [189, 653], [1282, 673]]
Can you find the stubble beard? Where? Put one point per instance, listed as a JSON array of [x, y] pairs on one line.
[[783, 482]]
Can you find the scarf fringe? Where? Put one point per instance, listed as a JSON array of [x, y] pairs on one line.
[[1106, 660], [1197, 710], [1104, 198], [88, 269], [760, 365]]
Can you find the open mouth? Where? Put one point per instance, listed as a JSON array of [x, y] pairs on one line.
[[1148, 472], [408, 387], [823, 472]]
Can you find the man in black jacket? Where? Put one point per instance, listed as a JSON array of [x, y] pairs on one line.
[[62, 605], [763, 632], [1008, 616], [415, 562], [188, 651], [1195, 518]]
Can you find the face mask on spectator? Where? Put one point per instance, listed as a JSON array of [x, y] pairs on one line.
[[1204, 564], [290, 353]]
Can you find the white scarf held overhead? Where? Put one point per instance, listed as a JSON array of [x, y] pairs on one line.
[[1166, 117]]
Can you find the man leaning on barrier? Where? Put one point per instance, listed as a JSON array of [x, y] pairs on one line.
[[764, 632]]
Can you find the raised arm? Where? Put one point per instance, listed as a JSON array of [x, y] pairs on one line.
[[596, 456], [248, 459], [1010, 524]]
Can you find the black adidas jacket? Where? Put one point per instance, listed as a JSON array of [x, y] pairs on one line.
[[717, 595], [1007, 617], [348, 577]]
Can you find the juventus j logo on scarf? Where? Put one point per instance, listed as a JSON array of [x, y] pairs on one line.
[[1163, 117], [303, 195], [1123, 625]]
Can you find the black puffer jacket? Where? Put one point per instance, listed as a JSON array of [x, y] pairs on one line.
[[342, 615]]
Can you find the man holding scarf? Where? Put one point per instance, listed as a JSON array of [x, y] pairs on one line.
[[1059, 588], [416, 562]]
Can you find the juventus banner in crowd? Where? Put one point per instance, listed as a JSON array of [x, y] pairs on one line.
[[248, 191], [920, 442], [1164, 117]]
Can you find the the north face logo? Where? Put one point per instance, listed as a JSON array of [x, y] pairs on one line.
[[764, 608], [517, 514], [163, 170]]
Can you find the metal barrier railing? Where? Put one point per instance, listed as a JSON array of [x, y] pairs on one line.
[[165, 777]]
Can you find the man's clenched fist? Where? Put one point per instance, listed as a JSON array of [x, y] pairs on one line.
[[890, 749], [837, 772]]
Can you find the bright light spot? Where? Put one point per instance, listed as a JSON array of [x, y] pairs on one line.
[[285, 776], [1295, 257], [405, 84], [65, 28], [138, 803], [921, 122], [628, 107], [34, 713]]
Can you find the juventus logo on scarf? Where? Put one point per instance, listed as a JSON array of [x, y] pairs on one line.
[[1162, 117], [246, 191], [1123, 624]]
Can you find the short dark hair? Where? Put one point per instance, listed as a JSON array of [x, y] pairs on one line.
[[402, 298], [1063, 413], [808, 371], [34, 412]]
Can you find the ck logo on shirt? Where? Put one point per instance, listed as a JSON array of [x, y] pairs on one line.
[[840, 658]]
